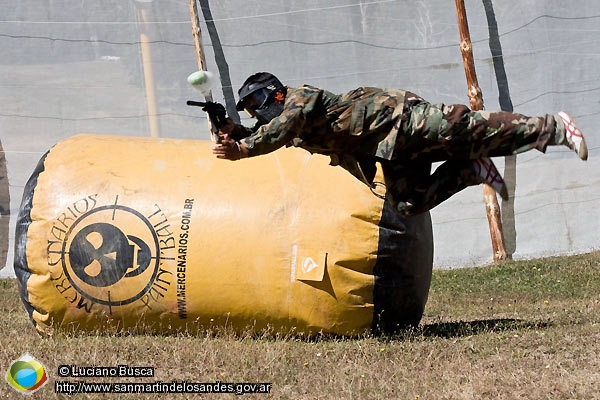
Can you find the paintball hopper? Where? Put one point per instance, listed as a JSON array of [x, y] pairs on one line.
[[201, 80]]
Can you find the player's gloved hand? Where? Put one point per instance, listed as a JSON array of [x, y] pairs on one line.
[[229, 149]]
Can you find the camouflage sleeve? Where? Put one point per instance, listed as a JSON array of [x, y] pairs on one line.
[[240, 132], [288, 125]]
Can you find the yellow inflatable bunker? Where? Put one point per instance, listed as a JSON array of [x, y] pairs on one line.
[[121, 232]]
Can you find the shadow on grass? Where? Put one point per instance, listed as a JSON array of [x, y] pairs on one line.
[[445, 330], [469, 328]]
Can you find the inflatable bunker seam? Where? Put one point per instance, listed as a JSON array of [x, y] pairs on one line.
[[22, 226]]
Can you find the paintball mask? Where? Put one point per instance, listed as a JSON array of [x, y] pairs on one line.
[[262, 97]]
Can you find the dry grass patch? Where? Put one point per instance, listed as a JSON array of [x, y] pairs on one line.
[[527, 329]]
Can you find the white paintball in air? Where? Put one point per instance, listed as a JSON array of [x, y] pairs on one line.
[[201, 80]]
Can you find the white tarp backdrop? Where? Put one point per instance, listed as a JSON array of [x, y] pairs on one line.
[[71, 66]]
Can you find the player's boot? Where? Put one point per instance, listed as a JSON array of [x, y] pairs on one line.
[[574, 137], [488, 173]]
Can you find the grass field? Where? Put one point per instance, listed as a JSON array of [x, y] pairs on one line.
[[515, 330]]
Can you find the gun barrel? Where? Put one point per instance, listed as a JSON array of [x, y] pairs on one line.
[[196, 103]]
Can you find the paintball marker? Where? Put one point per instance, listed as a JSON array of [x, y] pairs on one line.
[[216, 113]]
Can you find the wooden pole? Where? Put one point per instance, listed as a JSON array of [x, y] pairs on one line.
[[476, 103], [148, 76], [197, 34]]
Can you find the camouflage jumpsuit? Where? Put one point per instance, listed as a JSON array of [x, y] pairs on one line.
[[405, 134]]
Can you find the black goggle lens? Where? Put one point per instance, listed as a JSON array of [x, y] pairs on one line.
[[255, 101]]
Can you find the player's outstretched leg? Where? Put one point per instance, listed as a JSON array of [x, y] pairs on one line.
[[574, 137], [486, 171], [412, 189]]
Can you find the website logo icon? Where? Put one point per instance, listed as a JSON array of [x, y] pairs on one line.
[[26, 374]]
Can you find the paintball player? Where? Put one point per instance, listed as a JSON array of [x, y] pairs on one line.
[[396, 128]]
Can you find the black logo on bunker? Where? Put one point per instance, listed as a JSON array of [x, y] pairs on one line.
[[112, 263]]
